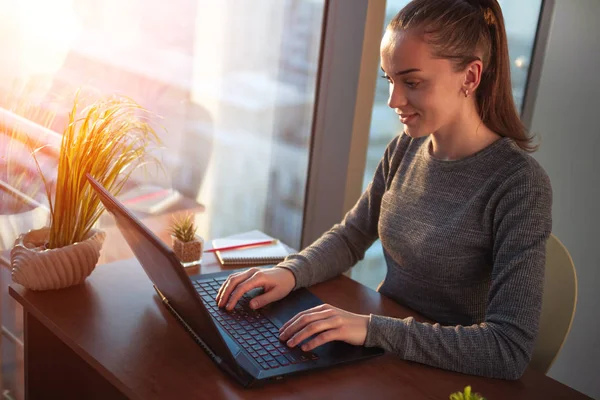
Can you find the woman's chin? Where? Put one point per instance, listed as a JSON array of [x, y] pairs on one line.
[[414, 132]]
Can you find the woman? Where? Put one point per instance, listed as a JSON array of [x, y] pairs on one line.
[[462, 211]]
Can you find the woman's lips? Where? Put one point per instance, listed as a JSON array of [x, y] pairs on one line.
[[407, 118]]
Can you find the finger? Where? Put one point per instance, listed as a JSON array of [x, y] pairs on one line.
[[300, 314], [312, 329], [295, 318], [264, 299], [224, 285], [251, 283], [303, 321], [325, 337], [231, 283]]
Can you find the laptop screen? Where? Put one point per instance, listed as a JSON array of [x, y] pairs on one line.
[[164, 270]]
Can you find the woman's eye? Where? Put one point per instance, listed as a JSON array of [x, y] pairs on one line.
[[387, 78], [411, 84]]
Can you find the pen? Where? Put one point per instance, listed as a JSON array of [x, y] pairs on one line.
[[240, 246], [148, 196]]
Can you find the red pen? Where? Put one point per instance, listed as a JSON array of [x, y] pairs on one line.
[[241, 246], [147, 196]]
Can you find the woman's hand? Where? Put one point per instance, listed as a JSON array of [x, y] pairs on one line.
[[276, 282], [328, 323]]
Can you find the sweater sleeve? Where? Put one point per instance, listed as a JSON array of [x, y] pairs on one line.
[[345, 244], [500, 346]]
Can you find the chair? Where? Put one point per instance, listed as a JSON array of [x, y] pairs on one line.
[[558, 307]]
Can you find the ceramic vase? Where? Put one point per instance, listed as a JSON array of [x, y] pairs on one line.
[[38, 268]]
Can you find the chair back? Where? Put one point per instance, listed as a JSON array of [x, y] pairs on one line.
[[558, 307]]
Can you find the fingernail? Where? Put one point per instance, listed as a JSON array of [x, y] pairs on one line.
[[304, 347], [290, 343], [253, 304]]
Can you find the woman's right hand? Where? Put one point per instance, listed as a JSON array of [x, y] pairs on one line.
[[276, 282]]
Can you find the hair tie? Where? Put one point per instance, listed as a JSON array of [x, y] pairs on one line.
[[489, 16], [486, 8]]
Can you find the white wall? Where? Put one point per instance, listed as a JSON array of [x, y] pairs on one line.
[[566, 116]]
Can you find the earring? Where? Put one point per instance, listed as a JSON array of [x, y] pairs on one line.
[[466, 92]]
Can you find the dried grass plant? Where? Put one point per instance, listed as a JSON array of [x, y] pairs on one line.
[[108, 139]]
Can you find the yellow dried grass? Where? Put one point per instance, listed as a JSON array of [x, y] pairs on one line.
[[109, 141]]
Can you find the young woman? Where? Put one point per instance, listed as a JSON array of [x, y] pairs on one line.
[[462, 210]]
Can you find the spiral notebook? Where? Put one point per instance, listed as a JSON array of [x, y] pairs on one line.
[[265, 254]]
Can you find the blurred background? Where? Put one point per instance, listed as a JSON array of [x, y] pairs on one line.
[[235, 84]]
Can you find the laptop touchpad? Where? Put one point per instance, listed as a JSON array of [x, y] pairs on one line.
[[283, 310]]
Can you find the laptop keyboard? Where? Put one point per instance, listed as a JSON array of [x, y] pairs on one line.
[[251, 329]]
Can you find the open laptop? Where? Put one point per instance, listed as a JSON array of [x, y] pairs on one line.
[[244, 343]]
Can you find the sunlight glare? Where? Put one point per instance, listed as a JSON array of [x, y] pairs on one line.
[[37, 34]]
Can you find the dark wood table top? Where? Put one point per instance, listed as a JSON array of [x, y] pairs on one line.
[[116, 323]]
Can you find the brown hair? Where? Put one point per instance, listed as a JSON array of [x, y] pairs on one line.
[[464, 31]]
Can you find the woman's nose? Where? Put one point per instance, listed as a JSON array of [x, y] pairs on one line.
[[397, 98]]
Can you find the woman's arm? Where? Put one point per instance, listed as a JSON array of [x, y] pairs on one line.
[[345, 244], [501, 346]]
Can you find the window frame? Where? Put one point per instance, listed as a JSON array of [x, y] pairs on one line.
[[345, 90], [540, 44]]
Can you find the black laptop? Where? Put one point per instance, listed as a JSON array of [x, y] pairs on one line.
[[243, 342]]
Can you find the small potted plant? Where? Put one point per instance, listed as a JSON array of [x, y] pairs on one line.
[[466, 395], [186, 244], [108, 140]]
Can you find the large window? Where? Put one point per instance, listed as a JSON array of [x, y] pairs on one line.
[[234, 82], [521, 19]]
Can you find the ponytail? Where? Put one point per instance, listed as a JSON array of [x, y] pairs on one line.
[[460, 30]]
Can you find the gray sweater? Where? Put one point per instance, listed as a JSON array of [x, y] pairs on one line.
[[464, 242]]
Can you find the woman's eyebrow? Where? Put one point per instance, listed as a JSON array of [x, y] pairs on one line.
[[406, 71]]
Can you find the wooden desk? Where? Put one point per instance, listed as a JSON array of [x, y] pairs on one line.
[[114, 248], [112, 338]]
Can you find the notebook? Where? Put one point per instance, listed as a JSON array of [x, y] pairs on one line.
[[150, 199], [265, 254]]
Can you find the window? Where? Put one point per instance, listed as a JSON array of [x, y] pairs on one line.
[[521, 22], [233, 80]]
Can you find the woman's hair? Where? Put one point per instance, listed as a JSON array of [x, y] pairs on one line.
[[464, 31]]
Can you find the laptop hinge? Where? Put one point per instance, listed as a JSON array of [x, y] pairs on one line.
[[245, 380]]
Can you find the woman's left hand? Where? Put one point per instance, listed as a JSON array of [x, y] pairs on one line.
[[328, 323]]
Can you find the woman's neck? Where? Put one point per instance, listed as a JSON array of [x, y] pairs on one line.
[[462, 138]]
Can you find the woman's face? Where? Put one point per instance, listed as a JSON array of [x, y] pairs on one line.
[[425, 92]]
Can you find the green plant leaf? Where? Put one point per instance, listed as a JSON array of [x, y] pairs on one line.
[[466, 395], [183, 228]]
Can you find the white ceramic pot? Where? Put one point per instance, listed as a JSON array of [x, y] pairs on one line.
[[38, 268]]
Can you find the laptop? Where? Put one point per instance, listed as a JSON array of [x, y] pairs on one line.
[[244, 343]]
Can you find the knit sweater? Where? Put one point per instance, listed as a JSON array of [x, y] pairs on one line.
[[464, 243]]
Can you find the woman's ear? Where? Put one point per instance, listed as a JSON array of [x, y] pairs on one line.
[[473, 74]]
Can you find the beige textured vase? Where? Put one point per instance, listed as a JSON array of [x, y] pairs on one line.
[[38, 268]]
